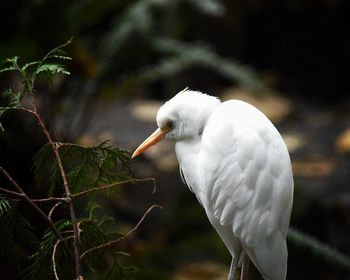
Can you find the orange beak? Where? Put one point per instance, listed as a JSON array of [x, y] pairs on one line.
[[153, 139]]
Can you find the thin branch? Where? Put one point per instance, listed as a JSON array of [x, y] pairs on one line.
[[31, 203], [78, 268], [11, 180], [117, 184], [62, 145], [53, 209], [11, 193], [21, 195], [54, 259], [35, 113], [59, 199], [112, 242], [79, 229]]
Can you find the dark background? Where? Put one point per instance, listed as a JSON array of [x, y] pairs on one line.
[[292, 59]]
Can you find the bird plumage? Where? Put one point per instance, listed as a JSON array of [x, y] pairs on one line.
[[236, 163]]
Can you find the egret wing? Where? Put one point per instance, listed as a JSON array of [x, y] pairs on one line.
[[246, 171]]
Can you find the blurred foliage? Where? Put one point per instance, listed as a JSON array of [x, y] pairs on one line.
[[319, 249], [108, 34]]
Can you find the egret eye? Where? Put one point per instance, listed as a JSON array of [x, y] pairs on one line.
[[169, 125]]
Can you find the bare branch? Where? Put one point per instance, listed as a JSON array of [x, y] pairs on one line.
[[53, 209], [31, 203], [112, 242], [114, 184], [20, 195], [59, 199], [79, 229], [54, 259], [12, 181]]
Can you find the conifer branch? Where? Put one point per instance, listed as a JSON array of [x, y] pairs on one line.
[[68, 194], [130, 232], [77, 169]]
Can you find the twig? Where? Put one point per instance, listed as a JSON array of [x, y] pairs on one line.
[[117, 184], [20, 195], [11, 193], [112, 242], [53, 209], [59, 199], [23, 195], [12, 181], [54, 259], [79, 229]]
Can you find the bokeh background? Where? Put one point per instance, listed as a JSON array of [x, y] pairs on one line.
[[290, 58]]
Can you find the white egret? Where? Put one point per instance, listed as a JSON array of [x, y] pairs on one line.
[[236, 163]]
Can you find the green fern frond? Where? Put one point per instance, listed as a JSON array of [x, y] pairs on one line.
[[86, 167], [47, 66], [9, 64]]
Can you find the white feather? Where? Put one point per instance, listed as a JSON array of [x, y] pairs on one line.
[[238, 166]]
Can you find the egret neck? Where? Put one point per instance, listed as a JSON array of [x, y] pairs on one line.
[[187, 153]]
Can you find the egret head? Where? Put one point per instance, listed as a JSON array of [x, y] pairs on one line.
[[181, 118]]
